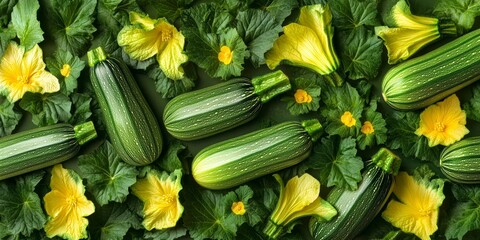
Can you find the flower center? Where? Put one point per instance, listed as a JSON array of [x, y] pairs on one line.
[[166, 200], [23, 79], [238, 208], [440, 127], [347, 119], [65, 71], [72, 201], [367, 128], [166, 35], [225, 55], [301, 96]]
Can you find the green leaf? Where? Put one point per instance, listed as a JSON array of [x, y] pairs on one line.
[[21, 210], [170, 9], [312, 88], [171, 161], [350, 14], [9, 117], [71, 24], [108, 177], [6, 35], [465, 216], [279, 9], [47, 109], [112, 222], [401, 128], [379, 134], [259, 29], [244, 194], [361, 53], [119, 10], [6, 8], [166, 234], [25, 23], [170, 88], [462, 12], [204, 18], [72, 67], [81, 108], [472, 107], [337, 162]]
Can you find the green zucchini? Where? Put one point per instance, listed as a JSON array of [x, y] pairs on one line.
[[460, 162], [41, 147], [211, 110], [130, 123], [424, 80], [238, 160], [356, 209]]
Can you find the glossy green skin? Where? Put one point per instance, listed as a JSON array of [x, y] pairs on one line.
[[460, 162], [356, 209], [424, 80], [130, 123], [238, 160], [208, 111], [36, 148]]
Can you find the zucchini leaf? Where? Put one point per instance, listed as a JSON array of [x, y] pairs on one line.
[[337, 162], [112, 15], [66, 67], [205, 18], [108, 177], [71, 24], [47, 109], [112, 222], [351, 14], [244, 194], [279, 9], [259, 29], [171, 160], [472, 107], [402, 127], [378, 134], [167, 234], [6, 35], [170, 88], [80, 109], [21, 210], [9, 117], [6, 8], [465, 216], [25, 23], [462, 12], [170, 9], [361, 53], [312, 88]]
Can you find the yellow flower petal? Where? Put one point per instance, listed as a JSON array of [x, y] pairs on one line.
[[65, 71], [162, 207], [367, 128], [302, 96], [143, 20], [172, 57], [404, 18], [238, 208], [138, 43], [347, 119], [443, 123], [319, 208], [225, 55]]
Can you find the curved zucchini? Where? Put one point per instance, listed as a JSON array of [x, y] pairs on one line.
[[460, 162], [130, 123], [238, 160], [41, 147], [356, 209], [424, 80], [211, 110]]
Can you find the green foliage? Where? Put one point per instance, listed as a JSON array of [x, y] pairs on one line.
[[9, 117], [47, 109], [25, 23]]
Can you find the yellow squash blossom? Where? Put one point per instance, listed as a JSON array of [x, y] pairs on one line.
[[443, 123], [24, 71], [367, 128], [66, 205], [160, 195], [410, 32], [302, 96], [225, 55], [347, 119], [416, 210], [238, 208], [299, 198], [308, 43], [147, 37]]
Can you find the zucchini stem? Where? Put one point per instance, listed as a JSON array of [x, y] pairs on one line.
[[270, 85], [313, 128], [85, 132], [334, 79], [387, 161], [95, 56], [273, 230], [447, 27]]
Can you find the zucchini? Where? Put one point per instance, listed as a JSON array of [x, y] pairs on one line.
[[460, 162], [130, 123], [238, 160], [356, 209], [424, 80], [41, 147], [211, 110]]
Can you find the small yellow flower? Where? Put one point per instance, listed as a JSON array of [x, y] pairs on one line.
[[159, 193], [238, 208], [348, 119], [147, 37], [443, 123], [65, 71], [417, 209], [367, 128], [299, 198], [302, 96], [66, 205], [225, 55], [22, 72]]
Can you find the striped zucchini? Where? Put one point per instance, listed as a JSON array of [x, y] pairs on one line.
[[424, 80], [356, 209], [208, 111], [41, 147], [130, 123], [238, 160], [460, 162]]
